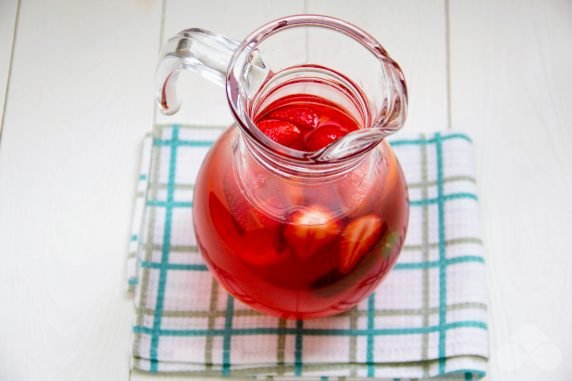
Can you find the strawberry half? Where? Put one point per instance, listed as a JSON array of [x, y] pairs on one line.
[[357, 239], [282, 132], [309, 230], [302, 117], [323, 136]]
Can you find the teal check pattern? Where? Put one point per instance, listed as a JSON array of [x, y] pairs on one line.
[[427, 319]]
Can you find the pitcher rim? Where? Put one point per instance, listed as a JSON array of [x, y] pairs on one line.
[[249, 44]]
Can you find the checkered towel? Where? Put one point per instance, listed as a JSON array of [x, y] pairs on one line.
[[428, 318]]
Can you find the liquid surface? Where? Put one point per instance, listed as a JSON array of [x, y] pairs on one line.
[[305, 122]]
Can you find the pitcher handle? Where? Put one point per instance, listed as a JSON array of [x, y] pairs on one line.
[[194, 49]]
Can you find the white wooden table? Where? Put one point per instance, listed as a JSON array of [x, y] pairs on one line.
[[76, 97]]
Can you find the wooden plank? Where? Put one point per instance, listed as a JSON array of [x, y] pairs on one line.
[[79, 103], [413, 33], [511, 81], [8, 16]]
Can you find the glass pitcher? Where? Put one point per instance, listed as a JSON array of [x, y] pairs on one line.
[[292, 231]]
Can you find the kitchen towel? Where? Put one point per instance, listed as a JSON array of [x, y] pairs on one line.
[[428, 318]]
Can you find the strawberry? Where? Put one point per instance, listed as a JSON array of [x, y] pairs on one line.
[[309, 230], [282, 132], [323, 136], [301, 116], [358, 237]]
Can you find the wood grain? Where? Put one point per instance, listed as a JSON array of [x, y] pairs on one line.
[[511, 80], [80, 101], [8, 17]]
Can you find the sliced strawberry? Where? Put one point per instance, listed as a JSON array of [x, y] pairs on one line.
[[357, 239], [323, 136], [309, 230], [282, 132], [302, 117]]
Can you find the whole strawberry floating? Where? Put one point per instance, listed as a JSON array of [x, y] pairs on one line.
[[309, 230], [357, 239], [302, 116], [282, 132], [324, 136]]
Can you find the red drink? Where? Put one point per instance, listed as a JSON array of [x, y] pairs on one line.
[[292, 248], [305, 122]]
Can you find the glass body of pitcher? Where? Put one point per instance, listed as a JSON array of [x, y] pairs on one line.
[[294, 231]]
